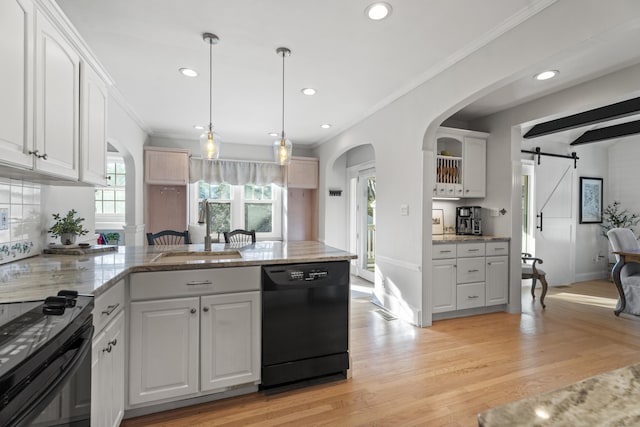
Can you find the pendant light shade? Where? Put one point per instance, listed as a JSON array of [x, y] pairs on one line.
[[209, 141], [282, 148]]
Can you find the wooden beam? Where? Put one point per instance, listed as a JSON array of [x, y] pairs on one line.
[[610, 132], [590, 117]]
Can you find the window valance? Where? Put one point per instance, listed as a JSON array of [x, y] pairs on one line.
[[235, 172]]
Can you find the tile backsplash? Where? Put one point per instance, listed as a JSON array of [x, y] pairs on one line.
[[20, 220]]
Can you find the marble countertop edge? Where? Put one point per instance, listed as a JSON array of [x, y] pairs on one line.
[[93, 274]]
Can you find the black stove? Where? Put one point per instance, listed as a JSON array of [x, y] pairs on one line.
[[43, 345]]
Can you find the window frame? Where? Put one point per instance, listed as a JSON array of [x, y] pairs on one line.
[[112, 221], [237, 202]]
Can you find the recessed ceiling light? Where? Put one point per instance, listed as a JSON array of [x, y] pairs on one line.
[[546, 75], [325, 126], [198, 127], [274, 134], [309, 91], [188, 72], [378, 11]]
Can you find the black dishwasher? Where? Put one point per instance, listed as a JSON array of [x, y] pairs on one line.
[[305, 323]]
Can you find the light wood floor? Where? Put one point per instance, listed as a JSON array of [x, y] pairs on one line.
[[444, 375]]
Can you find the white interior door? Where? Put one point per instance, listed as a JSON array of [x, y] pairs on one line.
[[555, 234]]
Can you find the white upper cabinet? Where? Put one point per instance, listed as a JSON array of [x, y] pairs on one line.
[[57, 71], [46, 129], [16, 84], [166, 166], [461, 163], [303, 173], [474, 167], [93, 126]]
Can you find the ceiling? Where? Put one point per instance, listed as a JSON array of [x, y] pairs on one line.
[[356, 65]]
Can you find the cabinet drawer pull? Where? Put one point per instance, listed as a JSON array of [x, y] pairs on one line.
[[200, 282], [110, 309], [107, 349], [113, 342], [473, 250], [499, 249], [473, 296], [472, 271], [445, 252]]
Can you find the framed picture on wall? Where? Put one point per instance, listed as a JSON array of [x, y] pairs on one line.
[[590, 200], [437, 221]]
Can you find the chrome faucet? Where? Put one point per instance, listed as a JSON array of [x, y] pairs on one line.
[[207, 219]]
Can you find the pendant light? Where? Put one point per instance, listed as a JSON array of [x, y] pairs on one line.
[[209, 141], [282, 147]]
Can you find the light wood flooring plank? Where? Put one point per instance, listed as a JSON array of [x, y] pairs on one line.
[[444, 375]]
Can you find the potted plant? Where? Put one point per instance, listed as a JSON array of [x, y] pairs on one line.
[[67, 227], [613, 217], [112, 238]]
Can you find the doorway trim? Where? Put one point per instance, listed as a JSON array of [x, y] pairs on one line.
[[357, 227]]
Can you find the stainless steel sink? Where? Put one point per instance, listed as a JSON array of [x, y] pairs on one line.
[[185, 256]]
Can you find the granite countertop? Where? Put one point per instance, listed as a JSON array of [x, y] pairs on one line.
[[44, 275], [609, 399], [453, 238]]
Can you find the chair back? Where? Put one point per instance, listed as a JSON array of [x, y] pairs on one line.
[[622, 239], [240, 236], [168, 237]]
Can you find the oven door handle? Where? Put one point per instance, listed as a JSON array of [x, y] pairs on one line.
[[40, 402]]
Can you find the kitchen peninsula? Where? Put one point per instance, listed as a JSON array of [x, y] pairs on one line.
[[176, 325]]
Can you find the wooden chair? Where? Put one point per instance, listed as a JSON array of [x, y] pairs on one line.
[[531, 271], [168, 237], [240, 236]]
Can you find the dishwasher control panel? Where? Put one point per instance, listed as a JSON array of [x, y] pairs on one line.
[[307, 275]]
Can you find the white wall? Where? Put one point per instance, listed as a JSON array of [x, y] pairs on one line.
[[128, 137], [623, 176], [505, 129], [397, 132]]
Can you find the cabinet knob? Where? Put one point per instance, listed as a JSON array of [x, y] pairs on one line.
[[193, 311], [205, 309], [467, 190]]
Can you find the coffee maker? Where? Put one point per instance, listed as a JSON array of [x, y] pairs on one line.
[[468, 220]]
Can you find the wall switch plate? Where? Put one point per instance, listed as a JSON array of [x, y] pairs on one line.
[[4, 219], [404, 210]]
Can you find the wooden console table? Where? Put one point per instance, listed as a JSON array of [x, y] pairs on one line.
[[625, 257]]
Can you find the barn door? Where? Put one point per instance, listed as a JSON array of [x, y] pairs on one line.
[[555, 234]]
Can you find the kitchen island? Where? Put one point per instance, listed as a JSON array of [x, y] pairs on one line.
[[608, 399], [44, 275]]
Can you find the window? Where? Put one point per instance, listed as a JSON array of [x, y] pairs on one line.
[[110, 201], [249, 206]]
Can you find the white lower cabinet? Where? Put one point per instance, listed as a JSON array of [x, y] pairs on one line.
[[230, 344], [107, 372], [444, 285], [497, 287], [108, 359], [163, 358], [465, 276], [204, 340]]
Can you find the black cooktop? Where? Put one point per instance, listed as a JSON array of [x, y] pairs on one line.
[[27, 327]]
